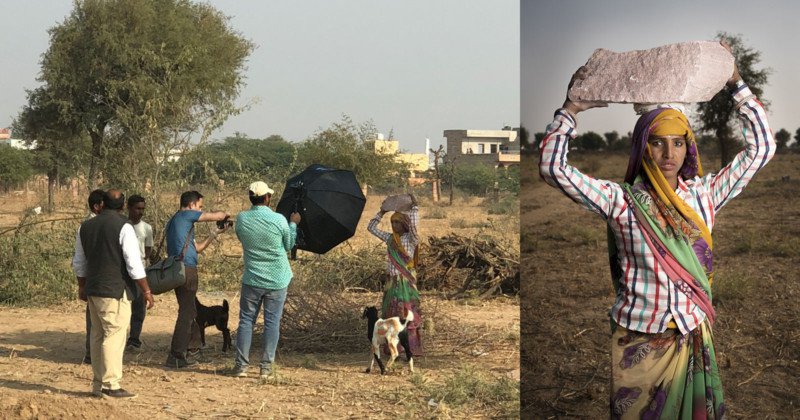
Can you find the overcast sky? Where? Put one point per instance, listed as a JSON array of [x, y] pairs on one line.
[[558, 36], [416, 66]]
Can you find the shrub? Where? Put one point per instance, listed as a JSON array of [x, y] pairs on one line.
[[35, 263], [505, 205], [474, 179], [16, 167]]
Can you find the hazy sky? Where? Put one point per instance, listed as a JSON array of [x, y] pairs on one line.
[[418, 67], [558, 36]]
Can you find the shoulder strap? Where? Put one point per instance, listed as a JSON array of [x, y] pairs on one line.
[[164, 238], [186, 241]]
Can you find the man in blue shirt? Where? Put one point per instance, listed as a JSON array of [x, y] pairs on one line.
[[180, 232], [266, 237]]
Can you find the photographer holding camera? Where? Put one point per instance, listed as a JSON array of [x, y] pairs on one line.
[[180, 231], [266, 237]]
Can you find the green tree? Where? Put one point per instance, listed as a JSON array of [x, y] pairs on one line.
[[60, 147], [474, 179], [611, 137], [796, 143], [524, 140], [716, 116], [142, 76], [623, 143], [345, 145], [240, 157], [508, 179], [782, 138], [590, 141], [708, 144], [16, 167]]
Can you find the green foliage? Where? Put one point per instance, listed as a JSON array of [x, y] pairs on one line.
[[717, 115], [345, 145], [507, 204], [590, 141], [240, 158], [617, 143], [508, 179], [139, 75], [796, 143], [474, 179], [34, 262], [525, 140], [782, 138], [60, 146], [434, 212], [16, 167]]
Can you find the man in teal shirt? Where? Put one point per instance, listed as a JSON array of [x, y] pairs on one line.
[[266, 237]]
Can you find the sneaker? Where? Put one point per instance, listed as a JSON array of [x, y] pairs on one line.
[[177, 363], [133, 342], [194, 353], [238, 371], [132, 348], [119, 394], [265, 373]]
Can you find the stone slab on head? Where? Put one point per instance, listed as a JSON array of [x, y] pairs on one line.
[[685, 72], [400, 202]]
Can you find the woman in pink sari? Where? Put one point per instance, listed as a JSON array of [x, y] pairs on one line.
[[400, 293]]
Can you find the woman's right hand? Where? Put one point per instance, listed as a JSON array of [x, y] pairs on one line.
[[578, 106]]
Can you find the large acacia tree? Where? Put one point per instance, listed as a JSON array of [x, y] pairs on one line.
[[140, 76], [717, 115]]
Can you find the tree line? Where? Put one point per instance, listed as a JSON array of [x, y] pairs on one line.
[[612, 141]]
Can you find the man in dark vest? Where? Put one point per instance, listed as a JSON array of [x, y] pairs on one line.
[[108, 265], [95, 202]]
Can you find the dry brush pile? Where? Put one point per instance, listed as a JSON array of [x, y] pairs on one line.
[[459, 265], [320, 316]]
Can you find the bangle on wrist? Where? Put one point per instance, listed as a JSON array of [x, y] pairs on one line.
[[736, 85]]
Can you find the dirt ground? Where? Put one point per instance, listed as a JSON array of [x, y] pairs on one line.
[[565, 349], [41, 374], [41, 349]]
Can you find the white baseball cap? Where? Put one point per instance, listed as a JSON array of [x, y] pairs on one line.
[[259, 188]]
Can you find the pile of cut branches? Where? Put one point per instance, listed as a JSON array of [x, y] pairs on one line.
[[323, 322], [478, 264]]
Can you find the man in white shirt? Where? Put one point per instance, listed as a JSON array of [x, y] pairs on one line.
[[144, 234], [95, 202], [109, 268]]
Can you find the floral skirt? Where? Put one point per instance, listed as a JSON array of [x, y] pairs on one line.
[[665, 375], [400, 297]]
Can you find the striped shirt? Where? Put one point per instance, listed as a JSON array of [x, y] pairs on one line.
[[408, 239], [647, 300]]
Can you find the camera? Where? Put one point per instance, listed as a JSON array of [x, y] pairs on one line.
[[221, 224]]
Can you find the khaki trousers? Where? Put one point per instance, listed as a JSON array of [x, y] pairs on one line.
[[110, 320]]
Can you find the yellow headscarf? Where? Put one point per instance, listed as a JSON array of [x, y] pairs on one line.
[[406, 221], [672, 122]]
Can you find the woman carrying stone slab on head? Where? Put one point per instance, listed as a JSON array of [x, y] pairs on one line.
[[659, 223]]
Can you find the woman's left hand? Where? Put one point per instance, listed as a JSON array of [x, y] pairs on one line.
[[735, 77]]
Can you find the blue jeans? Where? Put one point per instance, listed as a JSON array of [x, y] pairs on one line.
[[249, 305]]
